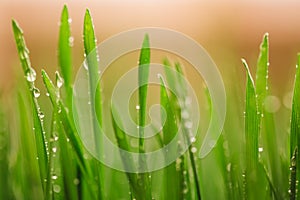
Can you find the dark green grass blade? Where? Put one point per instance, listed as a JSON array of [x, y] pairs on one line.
[[144, 64], [295, 134], [65, 54], [40, 136], [172, 186]]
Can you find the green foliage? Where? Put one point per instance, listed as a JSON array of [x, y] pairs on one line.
[[42, 155]]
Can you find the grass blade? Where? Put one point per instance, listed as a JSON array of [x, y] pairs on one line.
[[251, 123], [65, 54], [92, 59], [262, 73], [295, 134], [251, 135], [69, 127], [172, 186], [144, 64], [5, 180], [40, 136], [143, 75]]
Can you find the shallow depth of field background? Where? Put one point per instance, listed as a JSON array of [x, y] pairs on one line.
[[228, 30]]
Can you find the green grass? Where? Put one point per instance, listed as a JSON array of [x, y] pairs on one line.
[[43, 157]]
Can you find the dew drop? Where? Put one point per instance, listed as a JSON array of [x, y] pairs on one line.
[[54, 149], [59, 79], [260, 149], [185, 191], [228, 167], [76, 181], [272, 104], [71, 41], [85, 65], [137, 107], [193, 139], [184, 114], [30, 75], [54, 177], [194, 149], [36, 92], [56, 188], [188, 124], [188, 101], [70, 20], [41, 115], [47, 94]]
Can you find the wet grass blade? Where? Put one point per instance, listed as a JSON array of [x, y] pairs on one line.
[[123, 144], [86, 166], [295, 135], [65, 54], [251, 135], [144, 64], [262, 72], [69, 127], [55, 187], [30, 74], [172, 185], [92, 62], [251, 123], [143, 75], [266, 121]]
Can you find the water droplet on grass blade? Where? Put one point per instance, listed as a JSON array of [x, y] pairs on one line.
[[56, 188], [228, 167], [194, 149], [188, 124], [193, 139], [272, 104], [137, 107], [30, 75], [71, 41], [36, 92], [54, 177], [41, 115], [54, 149], [76, 181], [260, 149], [59, 79]]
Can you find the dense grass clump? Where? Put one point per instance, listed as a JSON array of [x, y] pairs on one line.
[[46, 159]]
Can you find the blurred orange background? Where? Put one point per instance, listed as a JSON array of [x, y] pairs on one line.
[[228, 30]]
